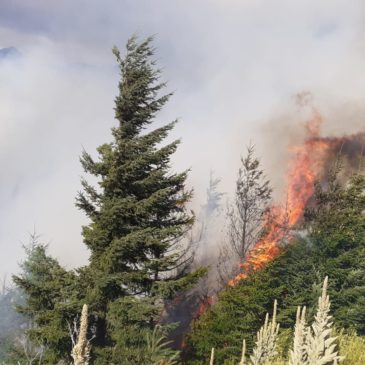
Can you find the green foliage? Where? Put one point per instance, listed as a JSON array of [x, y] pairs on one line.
[[138, 219], [138, 215], [49, 301], [157, 349], [334, 244], [337, 231], [352, 347], [11, 322], [310, 345], [239, 312]]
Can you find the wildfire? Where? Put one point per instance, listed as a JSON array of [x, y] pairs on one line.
[[304, 169], [204, 305]]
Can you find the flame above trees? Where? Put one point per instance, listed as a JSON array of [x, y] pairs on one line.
[[307, 164]]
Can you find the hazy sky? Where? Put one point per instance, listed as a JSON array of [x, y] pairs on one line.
[[233, 64]]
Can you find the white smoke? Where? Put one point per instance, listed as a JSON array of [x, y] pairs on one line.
[[233, 65]]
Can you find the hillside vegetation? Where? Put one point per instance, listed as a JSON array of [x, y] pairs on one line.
[[334, 245], [144, 260]]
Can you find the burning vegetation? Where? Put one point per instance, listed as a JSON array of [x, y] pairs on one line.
[[143, 276], [308, 164], [262, 228]]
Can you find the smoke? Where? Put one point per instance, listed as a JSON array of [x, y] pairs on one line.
[[206, 239], [234, 65], [43, 128], [236, 68], [341, 120], [309, 158]]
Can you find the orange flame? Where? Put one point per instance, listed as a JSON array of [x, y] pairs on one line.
[[204, 305], [303, 171]]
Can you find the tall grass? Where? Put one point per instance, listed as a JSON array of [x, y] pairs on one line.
[[352, 347], [311, 345]]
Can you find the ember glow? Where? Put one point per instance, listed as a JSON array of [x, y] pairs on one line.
[[305, 167], [204, 305]]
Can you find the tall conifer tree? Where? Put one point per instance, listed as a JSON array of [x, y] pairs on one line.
[[138, 214]]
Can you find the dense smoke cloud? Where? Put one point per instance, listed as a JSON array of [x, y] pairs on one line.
[[233, 65]]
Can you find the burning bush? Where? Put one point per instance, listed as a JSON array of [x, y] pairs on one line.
[[309, 162], [334, 243]]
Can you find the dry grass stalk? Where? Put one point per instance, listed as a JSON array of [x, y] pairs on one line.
[[265, 349], [298, 355], [81, 351], [320, 345], [243, 355], [312, 345], [211, 362]]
